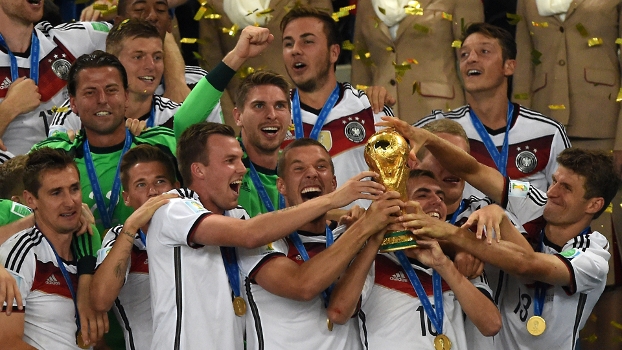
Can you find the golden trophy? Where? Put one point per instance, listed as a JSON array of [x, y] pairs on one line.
[[386, 153]]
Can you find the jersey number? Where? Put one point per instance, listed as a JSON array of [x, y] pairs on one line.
[[522, 308], [424, 318]]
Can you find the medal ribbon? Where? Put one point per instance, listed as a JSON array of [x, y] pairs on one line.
[[105, 212], [458, 211], [305, 256], [435, 314], [540, 292], [151, 120], [34, 58], [500, 158], [261, 189], [230, 259], [321, 119], [142, 237], [72, 290]]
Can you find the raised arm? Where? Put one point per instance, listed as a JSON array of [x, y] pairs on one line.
[[176, 88]]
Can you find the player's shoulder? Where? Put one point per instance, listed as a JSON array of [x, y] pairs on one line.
[[20, 247], [162, 103], [456, 114], [72, 29], [541, 120], [111, 236]]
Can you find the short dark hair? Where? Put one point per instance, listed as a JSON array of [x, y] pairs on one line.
[[145, 154], [192, 146], [303, 142], [598, 169], [303, 11], [41, 160], [416, 173], [129, 29], [96, 59], [12, 177], [506, 41], [260, 78]]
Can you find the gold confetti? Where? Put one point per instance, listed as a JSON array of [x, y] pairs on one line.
[[389, 49], [619, 41], [523, 96], [246, 71], [594, 42], [610, 210], [202, 10], [231, 31], [447, 107], [347, 45], [383, 11], [584, 33], [202, 2], [535, 57], [56, 109], [343, 12], [447, 16], [265, 12], [616, 324], [416, 87], [100, 7], [421, 28], [540, 24], [212, 16], [513, 18], [197, 56], [592, 338], [412, 60], [557, 107], [111, 10], [188, 40], [400, 70], [456, 44], [413, 8], [361, 87], [619, 98], [364, 56]]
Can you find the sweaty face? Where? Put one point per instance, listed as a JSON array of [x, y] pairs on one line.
[[100, 100], [59, 203], [264, 118], [144, 64], [306, 54], [153, 11], [223, 175], [307, 175], [481, 64], [25, 12], [565, 204], [146, 180], [429, 194]]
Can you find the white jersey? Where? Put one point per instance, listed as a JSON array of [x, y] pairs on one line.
[[59, 47], [392, 316], [5, 155], [534, 143], [275, 322], [192, 74], [49, 320], [345, 132], [190, 294], [133, 305]]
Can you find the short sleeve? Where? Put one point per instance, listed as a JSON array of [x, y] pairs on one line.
[[588, 266], [20, 266], [179, 220], [369, 284], [251, 260]]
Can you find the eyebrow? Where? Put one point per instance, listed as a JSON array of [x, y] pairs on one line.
[[304, 35]]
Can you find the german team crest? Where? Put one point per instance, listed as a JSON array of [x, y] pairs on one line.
[[326, 139], [61, 67], [526, 161], [355, 131]]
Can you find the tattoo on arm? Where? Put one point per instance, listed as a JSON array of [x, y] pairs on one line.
[[284, 209]]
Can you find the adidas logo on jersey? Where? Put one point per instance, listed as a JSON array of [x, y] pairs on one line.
[[5, 84], [399, 276], [52, 280]]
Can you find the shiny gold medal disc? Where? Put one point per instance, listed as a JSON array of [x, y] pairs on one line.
[[329, 324], [80, 341], [239, 306], [536, 325], [442, 342]]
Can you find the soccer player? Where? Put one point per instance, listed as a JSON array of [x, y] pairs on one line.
[[35, 61], [121, 280], [188, 232], [555, 283], [286, 280], [392, 313], [42, 259], [336, 114], [519, 142]]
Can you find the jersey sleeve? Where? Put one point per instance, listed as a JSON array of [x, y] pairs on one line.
[[587, 261], [106, 246], [64, 119], [12, 211], [369, 284], [21, 265], [180, 218], [481, 283], [523, 200], [251, 260], [97, 32]]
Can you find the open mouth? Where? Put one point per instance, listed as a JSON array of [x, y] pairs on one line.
[[310, 192], [435, 215], [473, 72], [147, 78], [35, 2], [235, 186], [451, 179], [299, 65], [102, 113], [271, 130], [68, 215]]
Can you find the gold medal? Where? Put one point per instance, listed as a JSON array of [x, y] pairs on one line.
[[329, 324], [80, 341], [239, 306], [536, 325], [442, 342]]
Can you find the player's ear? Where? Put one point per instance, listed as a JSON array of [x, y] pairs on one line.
[[280, 186]]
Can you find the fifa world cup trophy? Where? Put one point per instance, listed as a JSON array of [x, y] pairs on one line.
[[386, 153]]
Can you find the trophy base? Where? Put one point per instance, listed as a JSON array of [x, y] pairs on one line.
[[398, 240]]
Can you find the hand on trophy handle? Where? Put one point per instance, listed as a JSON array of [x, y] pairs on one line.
[[383, 212], [417, 137], [488, 220], [356, 188]]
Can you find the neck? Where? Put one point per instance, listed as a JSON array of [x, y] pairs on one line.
[[263, 159], [17, 34], [108, 140], [60, 241], [451, 208], [317, 98], [316, 226], [140, 104], [204, 197], [491, 107], [560, 234]]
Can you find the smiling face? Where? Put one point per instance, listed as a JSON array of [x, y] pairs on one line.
[[153, 11], [429, 194], [482, 66], [25, 12], [566, 204], [100, 100], [222, 177], [308, 58], [307, 173], [58, 202], [146, 180], [144, 64], [264, 118]]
